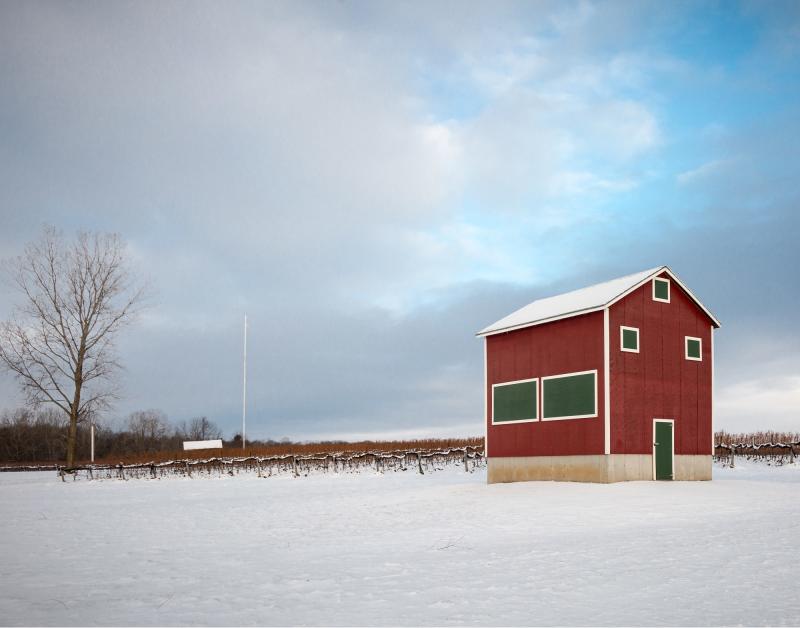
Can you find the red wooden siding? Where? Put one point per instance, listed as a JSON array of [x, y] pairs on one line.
[[565, 346], [658, 382]]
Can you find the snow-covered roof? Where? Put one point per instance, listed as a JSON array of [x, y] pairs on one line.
[[582, 301]]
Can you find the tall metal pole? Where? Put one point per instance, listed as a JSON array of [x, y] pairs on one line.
[[244, 384], [91, 429]]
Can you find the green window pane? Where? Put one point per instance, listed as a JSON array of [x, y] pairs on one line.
[[692, 348], [661, 289], [630, 339], [515, 402], [571, 395]]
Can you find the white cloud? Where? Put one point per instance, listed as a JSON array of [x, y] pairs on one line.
[[289, 160], [278, 138], [705, 171], [767, 403]]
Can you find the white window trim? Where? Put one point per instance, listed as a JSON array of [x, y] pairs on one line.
[[518, 381], [606, 383], [711, 341], [622, 347], [669, 289], [486, 397], [576, 416], [654, 445], [686, 348]]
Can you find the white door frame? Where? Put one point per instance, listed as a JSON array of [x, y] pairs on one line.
[[654, 444]]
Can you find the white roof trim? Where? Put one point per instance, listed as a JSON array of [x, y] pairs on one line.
[[583, 301], [674, 277]]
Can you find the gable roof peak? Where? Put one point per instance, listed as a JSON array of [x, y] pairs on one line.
[[583, 301]]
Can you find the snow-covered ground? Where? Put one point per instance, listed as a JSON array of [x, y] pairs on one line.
[[400, 549]]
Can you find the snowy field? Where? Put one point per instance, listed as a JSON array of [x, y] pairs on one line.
[[400, 549]]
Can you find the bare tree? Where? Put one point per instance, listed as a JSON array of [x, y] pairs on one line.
[[200, 428], [148, 428], [76, 296], [31, 436]]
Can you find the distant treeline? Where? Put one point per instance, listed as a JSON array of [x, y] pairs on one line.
[[39, 436]]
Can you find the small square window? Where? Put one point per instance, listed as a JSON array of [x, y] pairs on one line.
[[694, 349], [661, 290], [629, 339]]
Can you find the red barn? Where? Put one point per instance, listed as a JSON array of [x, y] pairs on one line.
[[608, 383]]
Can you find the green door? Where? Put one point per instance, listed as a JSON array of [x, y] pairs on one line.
[[662, 448]]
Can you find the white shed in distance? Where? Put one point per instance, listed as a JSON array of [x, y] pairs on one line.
[[189, 445]]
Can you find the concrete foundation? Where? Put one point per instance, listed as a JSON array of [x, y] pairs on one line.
[[596, 468], [693, 467]]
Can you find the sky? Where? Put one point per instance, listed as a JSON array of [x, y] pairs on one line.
[[374, 182]]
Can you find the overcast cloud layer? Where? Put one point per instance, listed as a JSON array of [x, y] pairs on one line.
[[374, 182]]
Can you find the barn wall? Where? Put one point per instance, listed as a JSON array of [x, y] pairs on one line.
[[565, 346], [658, 382]]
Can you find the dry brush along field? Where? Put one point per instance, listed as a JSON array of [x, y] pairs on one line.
[[416, 461]]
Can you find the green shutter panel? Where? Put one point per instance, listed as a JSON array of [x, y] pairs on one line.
[[569, 396], [515, 402]]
